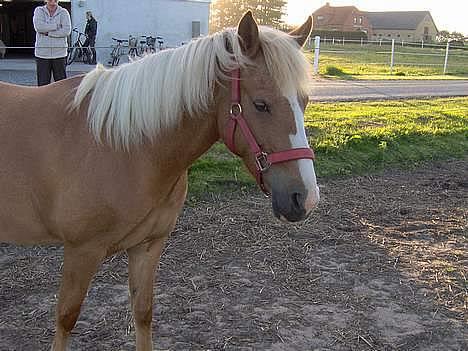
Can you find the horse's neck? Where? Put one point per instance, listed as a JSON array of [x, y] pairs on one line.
[[181, 146]]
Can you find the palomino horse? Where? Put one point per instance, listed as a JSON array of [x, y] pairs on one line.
[[99, 163]]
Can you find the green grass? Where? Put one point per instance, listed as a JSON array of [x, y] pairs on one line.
[[357, 138], [373, 61]]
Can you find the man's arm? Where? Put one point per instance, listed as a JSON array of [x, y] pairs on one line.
[[65, 29], [40, 24]]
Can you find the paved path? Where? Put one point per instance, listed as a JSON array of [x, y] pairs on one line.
[[22, 71], [332, 90]]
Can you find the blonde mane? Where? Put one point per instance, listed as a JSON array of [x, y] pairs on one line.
[[139, 99]]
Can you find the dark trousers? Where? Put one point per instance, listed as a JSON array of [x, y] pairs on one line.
[[91, 42], [47, 67]]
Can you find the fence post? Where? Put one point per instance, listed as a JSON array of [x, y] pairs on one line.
[[422, 43], [446, 57], [362, 42], [343, 41], [392, 59], [402, 43], [317, 54], [380, 42], [333, 41]]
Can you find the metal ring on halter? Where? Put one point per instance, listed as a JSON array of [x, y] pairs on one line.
[[236, 109], [262, 162]]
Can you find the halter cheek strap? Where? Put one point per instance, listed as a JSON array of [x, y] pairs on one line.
[[263, 160]]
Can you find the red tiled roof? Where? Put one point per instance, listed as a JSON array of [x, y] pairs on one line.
[[335, 15]]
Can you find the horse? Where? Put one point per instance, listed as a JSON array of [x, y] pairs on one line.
[[99, 162]]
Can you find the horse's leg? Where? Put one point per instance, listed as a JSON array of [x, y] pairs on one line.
[[143, 261], [79, 266]]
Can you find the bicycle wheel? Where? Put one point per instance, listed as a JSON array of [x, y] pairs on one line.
[[87, 55], [72, 55], [116, 57]]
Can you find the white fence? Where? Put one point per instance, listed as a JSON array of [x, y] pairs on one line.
[[427, 54]]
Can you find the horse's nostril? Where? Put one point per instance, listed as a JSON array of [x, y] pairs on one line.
[[297, 200]]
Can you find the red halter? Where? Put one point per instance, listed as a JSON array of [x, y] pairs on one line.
[[263, 160]]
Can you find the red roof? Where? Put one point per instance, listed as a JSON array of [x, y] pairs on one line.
[[335, 15]]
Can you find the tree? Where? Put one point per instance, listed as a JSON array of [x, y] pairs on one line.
[[227, 13], [445, 35]]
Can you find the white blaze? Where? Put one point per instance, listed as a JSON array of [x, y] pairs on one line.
[[306, 166]]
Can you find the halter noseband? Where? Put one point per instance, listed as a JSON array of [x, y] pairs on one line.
[[263, 160]]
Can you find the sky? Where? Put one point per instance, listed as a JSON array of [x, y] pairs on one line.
[[451, 15]]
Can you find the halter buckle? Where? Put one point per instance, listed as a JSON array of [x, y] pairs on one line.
[[261, 160], [236, 109]]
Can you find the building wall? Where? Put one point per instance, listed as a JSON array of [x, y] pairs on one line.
[[170, 19], [397, 34], [407, 35], [361, 23], [432, 30]]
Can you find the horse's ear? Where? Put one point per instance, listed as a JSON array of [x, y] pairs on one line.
[[248, 32], [302, 33]]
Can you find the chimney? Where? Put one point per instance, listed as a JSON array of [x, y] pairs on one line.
[[327, 4]]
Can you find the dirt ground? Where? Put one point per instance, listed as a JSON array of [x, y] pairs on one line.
[[381, 265]]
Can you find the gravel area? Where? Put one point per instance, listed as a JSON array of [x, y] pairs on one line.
[[381, 265]]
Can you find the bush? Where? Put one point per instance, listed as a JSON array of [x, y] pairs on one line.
[[400, 74]]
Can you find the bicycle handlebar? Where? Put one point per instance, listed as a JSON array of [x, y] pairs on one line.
[[150, 36]]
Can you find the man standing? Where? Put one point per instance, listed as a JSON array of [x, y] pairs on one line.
[[53, 26], [91, 32]]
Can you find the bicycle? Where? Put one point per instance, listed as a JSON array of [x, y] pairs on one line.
[[132, 46], [148, 45], [117, 51], [160, 43], [78, 50]]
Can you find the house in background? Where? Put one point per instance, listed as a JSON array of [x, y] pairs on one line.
[[340, 19], [402, 26], [348, 21], [177, 21]]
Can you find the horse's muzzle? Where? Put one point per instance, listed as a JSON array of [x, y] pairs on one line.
[[290, 206]]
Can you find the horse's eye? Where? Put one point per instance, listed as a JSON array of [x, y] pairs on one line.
[[261, 106]]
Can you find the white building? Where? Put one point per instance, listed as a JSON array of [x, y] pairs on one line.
[[177, 21]]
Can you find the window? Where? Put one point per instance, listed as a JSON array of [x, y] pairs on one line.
[[355, 20], [195, 29], [398, 35], [319, 18], [409, 35], [389, 35], [360, 20], [380, 34], [374, 35], [426, 30]]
